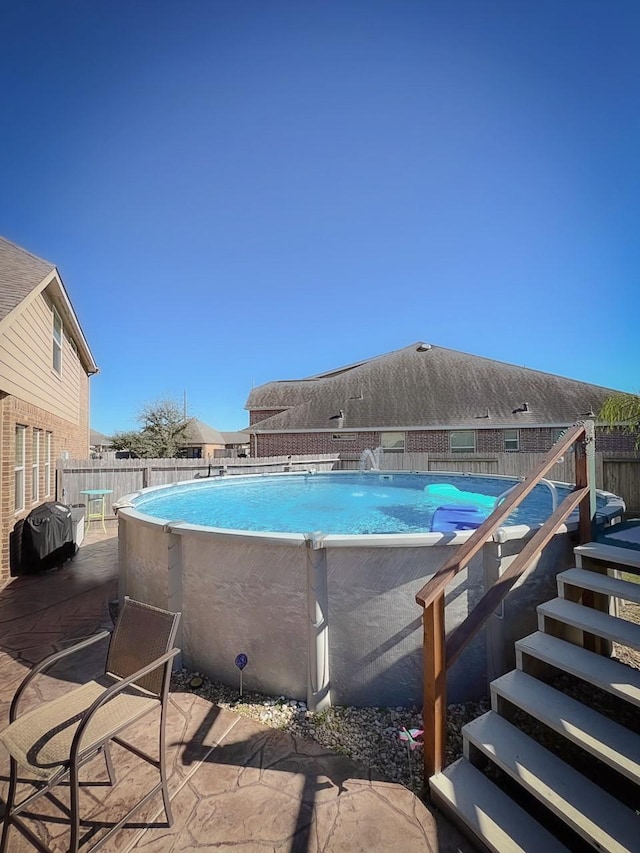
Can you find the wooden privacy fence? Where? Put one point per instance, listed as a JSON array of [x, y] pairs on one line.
[[621, 475], [124, 476], [618, 473], [514, 464]]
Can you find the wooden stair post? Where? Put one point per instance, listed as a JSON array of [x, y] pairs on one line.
[[435, 688]]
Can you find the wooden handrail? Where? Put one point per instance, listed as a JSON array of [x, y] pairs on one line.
[[436, 585], [439, 654], [494, 596]]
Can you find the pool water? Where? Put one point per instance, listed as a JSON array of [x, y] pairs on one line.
[[358, 503]]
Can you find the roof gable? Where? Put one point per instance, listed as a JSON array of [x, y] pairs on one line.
[[22, 277]]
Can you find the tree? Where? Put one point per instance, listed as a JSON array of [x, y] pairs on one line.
[[623, 411], [162, 434]]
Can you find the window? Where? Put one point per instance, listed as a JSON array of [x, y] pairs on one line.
[[343, 436], [57, 342], [392, 442], [47, 465], [463, 441], [511, 439], [35, 467], [19, 468]]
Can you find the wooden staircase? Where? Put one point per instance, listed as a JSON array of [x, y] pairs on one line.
[[555, 764]]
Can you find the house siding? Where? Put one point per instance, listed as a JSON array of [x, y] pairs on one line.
[[26, 364]]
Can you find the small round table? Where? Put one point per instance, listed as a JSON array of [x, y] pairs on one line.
[[96, 500]]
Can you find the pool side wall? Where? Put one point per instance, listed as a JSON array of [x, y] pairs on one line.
[[250, 593], [250, 597], [376, 626]]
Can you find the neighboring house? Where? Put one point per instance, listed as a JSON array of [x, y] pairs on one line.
[[45, 364], [202, 441], [237, 443], [100, 445], [422, 398]]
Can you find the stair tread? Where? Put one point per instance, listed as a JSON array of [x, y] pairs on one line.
[[591, 812], [493, 817], [591, 620], [609, 553], [597, 582], [607, 740], [603, 672]]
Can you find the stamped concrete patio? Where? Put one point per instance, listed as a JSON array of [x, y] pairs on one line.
[[235, 784]]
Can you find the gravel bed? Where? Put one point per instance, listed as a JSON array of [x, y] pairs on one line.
[[370, 736], [631, 612]]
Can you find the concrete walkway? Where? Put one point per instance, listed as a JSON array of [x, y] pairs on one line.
[[235, 784]]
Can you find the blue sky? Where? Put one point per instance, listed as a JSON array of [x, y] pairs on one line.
[[236, 192]]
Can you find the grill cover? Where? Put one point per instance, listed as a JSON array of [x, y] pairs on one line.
[[47, 538]]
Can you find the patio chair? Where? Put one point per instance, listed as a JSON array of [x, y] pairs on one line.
[[57, 738]]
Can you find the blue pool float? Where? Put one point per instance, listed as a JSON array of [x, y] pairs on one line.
[[456, 517]]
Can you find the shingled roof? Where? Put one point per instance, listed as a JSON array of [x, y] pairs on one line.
[[237, 437], [200, 433], [425, 386], [20, 273]]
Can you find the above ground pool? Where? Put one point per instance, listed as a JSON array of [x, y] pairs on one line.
[[313, 576], [337, 503]]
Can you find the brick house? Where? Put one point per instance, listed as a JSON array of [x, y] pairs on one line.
[[422, 398], [45, 364]]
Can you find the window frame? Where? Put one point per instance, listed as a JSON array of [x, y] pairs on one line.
[[58, 338], [397, 435], [47, 463], [506, 440], [467, 449], [35, 465], [19, 486]]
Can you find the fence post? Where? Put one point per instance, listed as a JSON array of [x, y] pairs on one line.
[[586, 476], [146, 477], [435, 686]]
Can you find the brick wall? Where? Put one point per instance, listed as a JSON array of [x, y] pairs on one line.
[[283, 444], [532, 439], [615, 441], [428, 441], [65, 435]]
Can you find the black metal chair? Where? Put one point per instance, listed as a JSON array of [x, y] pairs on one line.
[[53, 741]]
